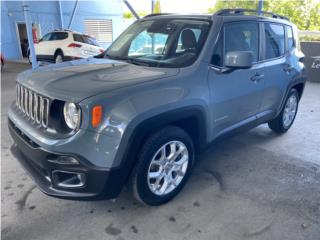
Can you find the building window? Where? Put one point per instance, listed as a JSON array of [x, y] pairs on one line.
[[99, 29]]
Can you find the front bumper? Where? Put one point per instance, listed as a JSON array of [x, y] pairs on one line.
[[97, 184]]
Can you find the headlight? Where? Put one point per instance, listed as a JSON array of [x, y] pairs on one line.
[[71, 113]]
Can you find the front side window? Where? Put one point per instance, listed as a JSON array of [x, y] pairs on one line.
[[240, 36], [46, 37], [161, 42], [274, 39]]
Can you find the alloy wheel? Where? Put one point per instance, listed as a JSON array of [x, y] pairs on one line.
[[168, 167]]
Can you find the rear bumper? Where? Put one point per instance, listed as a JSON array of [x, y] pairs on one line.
[[97, 184]]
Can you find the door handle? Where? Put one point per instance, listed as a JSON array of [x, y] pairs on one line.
[[257, 77]]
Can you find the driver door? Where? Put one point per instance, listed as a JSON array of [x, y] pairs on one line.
[[43, 47], [236, 94]]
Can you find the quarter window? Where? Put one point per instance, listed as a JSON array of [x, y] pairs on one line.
[[217, 57], [290, 41], [274, 39]]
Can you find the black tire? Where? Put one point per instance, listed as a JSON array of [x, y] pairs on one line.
[[277, 124], [138, 182], [58, 54]]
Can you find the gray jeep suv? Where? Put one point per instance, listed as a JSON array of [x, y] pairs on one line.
[[137, 114]]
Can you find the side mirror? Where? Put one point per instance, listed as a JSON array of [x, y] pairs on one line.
[[239, 59]]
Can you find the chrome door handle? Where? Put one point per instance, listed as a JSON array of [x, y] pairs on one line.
[[257, 77]]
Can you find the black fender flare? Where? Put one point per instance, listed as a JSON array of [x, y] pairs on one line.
[[290, 86], [135, 133]]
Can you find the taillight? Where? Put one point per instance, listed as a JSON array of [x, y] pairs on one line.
[[101, 50], [74, 45]]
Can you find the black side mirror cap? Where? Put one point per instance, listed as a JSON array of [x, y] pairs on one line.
[[239, 59]]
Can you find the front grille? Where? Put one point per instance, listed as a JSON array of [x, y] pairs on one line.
[[33, 105]]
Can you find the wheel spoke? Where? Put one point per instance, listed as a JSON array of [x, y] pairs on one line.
[[177, 153], [164, 186], [157, 182], [155, 174], [173, 151], [181, 161]]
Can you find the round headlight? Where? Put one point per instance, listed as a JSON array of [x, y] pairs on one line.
[[71, 113]]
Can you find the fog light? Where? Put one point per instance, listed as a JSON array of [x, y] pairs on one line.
[[64, 160], [68, 179]]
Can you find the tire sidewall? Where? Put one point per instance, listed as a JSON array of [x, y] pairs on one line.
[[142, 188]]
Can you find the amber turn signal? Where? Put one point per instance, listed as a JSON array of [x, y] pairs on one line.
[[96, 116]]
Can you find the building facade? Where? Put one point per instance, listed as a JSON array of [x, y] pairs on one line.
[[103, 19]]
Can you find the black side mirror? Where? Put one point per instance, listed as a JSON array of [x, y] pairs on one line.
[[239, 59]]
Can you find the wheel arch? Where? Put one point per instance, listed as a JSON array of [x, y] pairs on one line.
[[58, 50], [299, 86], [191, 119]]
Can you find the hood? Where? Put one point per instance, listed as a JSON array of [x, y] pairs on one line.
[[77, 80]]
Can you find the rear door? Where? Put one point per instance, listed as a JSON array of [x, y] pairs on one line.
[[278, 69], [237, 94]]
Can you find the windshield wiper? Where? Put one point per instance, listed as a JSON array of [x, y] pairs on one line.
[[137, 62]]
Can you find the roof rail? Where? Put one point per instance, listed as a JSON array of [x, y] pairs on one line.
[[156, 14], [242, 11], [63, 29]]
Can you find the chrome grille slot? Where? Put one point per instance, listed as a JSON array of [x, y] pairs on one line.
[[34, 106]]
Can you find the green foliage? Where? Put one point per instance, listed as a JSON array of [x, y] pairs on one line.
[[128, 15], [304, 13], [157, 7]]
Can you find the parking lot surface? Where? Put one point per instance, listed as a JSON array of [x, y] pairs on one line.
[[256, 185]]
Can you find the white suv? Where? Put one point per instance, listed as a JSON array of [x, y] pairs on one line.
[[65, 45]]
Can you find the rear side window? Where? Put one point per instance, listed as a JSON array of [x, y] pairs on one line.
[[240, 36], [274, 39], [61, 35], [290, 40]]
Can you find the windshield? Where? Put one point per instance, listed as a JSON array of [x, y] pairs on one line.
[[161, 42]]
